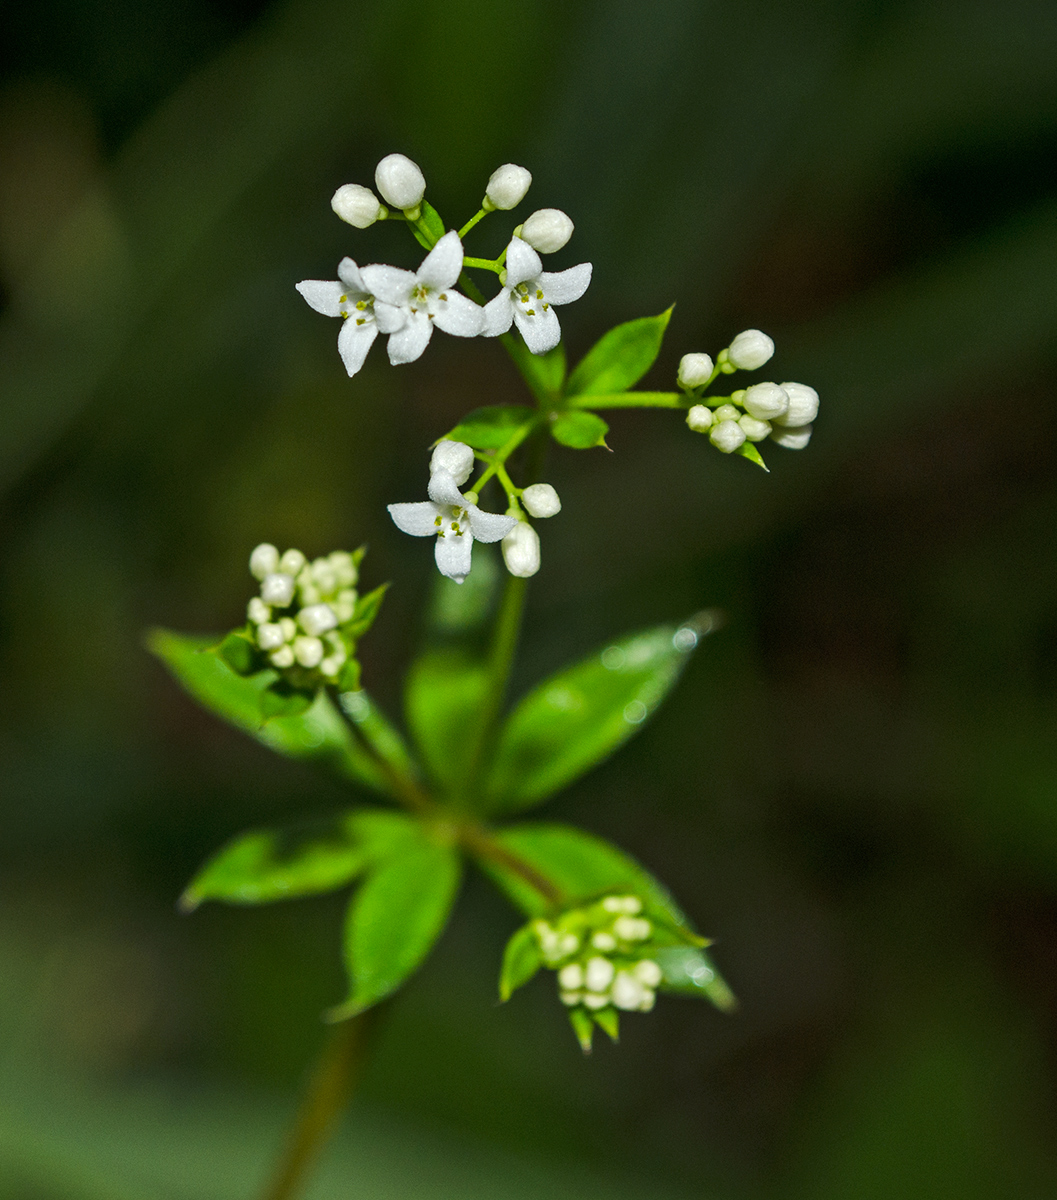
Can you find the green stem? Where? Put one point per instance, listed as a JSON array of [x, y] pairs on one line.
[[635, 400], [478, 216], [482, 264]]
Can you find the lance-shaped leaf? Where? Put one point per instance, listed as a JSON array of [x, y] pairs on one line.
[[318, 733], [521, 960], [367, 609], [579, 430], [620, 358], [491, 428], [395, 917], [581, 715], [279, 864], [444, 692], [434, 224]]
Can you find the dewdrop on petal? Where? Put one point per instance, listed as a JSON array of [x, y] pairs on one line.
[[278, 589], [765, 401], [695, 370], [749, 350], [521, 550], [803, 405], [264, 560], [400, 181], [727, 436], [541, 500], [794, 438], [755, 431], [356, 205], [699, 418], [547, 230], [455, 457], [507, 187]]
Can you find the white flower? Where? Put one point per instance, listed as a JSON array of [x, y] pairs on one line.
[[521, 550], [507, 187], [407, 304], [349, 299], [529, 295], [400, 181], [547, 230], [749, 350], [357, 205], [454, 521], [695, 369], [541, 500], [803, 405]]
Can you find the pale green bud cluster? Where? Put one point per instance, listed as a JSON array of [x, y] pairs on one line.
[[600, 955], [301, 606]]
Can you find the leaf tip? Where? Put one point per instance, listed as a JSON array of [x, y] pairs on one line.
[[343, 1012]]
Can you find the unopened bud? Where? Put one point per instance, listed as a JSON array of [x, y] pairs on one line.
[[792, 438], [400, 181], [344, 568], [632, 929], [308, 651], [547, 230], [507, 187], [749, 350], [455, 457], [541, 500], [289, 627], [648, 972], [292, 562], [257, 611], [571, 977], [356, 205], [726, 412], [628, 993], [598, 974], [278, 589], [699, 418], [283, 658], [695, 370], [803, 405], [727, 436], [270, 636], [264, 560], [755, 431], [765, 401], [317, 619], [521, 550], [603, 941], [594, 1001]]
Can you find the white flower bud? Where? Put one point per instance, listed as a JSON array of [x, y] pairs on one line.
[[344, 568], [547, 230], [269, 636], [356, 205], [400, 181], [792, 438], [803, 405], [603, 941], [648, 972], [727, 412], [541, 500], [455, 457], [308, 651], [507, 186], [317, 619], [628, 993], [264, 560], [331, 665], [749, 350], [571, 977], [727, 436], [755, 431], [594, 1000], [632, 929], [257, 611], [289, 627], [521, 550], [598, 974], [699, 418], [283, 657], [649, 999], [568, 943], [695, 369], [622, 904], [345, 605], [278, 589], [765, 401], [292, 562], [570, 999]]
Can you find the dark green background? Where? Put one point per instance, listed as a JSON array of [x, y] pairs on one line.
[[854, 789]]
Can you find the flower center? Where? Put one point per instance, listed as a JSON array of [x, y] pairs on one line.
[[362, 310], [530, 296]]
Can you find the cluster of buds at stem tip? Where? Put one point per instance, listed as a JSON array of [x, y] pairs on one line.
[[401, 183]]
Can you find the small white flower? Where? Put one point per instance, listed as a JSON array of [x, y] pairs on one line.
[[529, 295], [349, 299], [356, 205], [795, 437], [695, 369], [765, 401], [455, 523], [699, 418], [507, 187], [407, 304], [521, 550], [277, 589], [400, 181], [547, 230], [541, 500], [727, 436], [264, 560], [749, 350], [455, 457], [803, 405]]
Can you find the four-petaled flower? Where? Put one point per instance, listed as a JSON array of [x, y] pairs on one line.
[[529, 296], [347, 297], [408, 304], [453, 519]]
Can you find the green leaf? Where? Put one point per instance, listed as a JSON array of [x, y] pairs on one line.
[[281, 699], [239, 652], [551, 367], [457, 610], [491, 428], [279, 864], [579, 430], [521, 960], [749, 451], [689, 971], [583, 1027], [367, 609], [608, 1019], [620, 358], [319, 734], [540, 371], [434, 226], [578, 717], [443, 696], [394, 919]]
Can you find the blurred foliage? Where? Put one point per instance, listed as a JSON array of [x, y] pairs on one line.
[[854, 788]]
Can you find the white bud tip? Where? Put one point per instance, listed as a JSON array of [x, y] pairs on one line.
[[507, 186], [749, 350], [257, 611], [727, 436], [755, 431], [604, 941], [765, 401], [455, 457], [400, 181], [547, 230], [317, 619], [648, 972], [277, 589], [264, 560], [699, 418], [598, 974], [571, 977], [541, 500], [283, 657], [594, 1001], [727, 412], [269, 636], [803, 404], [628, 993], [356, 205], [292, 562], [695, 370], [308, 651], [521, 550], [632, 929], [792, 438]]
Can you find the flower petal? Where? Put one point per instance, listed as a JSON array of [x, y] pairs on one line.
[[349, 274], [391, 284], [458, 315], [443, 489], [563, 287], [354, 341], [408, 342], [324, 295], [498, 314], [452, 553], [441, 266], [522, 262], [489, 527], [541, 329], [389, 318], [418, 519]]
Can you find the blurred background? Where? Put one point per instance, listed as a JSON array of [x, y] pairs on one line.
[[854, 789]]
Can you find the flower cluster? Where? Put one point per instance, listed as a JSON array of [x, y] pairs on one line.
[[406, 305]]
